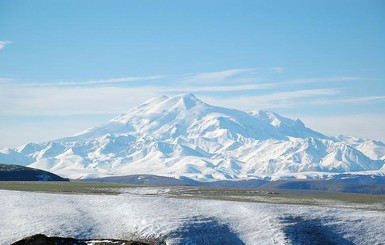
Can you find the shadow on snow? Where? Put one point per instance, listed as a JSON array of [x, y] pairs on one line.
[[204, 231], [312, 231]]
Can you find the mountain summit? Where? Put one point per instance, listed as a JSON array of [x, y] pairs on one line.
[[183, 136]]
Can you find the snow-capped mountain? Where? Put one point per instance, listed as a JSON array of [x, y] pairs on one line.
[[372, 148], [183, 136]]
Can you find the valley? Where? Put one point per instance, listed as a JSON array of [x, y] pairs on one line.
[[258, 195]]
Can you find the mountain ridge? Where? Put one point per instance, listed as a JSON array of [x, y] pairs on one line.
[[182, 136]]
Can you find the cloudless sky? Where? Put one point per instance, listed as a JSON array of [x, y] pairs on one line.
[[66, 65]]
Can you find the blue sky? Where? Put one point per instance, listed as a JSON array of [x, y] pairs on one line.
[[70, 65]]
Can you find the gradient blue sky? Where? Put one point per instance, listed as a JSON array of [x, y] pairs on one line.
[[70, 65]]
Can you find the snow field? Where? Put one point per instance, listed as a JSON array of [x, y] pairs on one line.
[[181, 221]]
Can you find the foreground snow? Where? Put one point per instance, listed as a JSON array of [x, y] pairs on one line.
[[135, 215]]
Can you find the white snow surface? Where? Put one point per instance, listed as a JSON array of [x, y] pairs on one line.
[[374, 149], [183, 136], [182, 221]]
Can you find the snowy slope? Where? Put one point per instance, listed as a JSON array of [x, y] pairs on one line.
[[374, 149], [183, 221], [183, 136]]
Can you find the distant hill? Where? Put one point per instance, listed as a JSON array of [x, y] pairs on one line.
[[154, 180], [144, 179], [326, 185], [20, 173]]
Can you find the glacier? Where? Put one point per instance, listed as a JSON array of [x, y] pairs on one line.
[[182, 136]]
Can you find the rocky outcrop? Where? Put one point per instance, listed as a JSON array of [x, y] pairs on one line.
[[41, 239]]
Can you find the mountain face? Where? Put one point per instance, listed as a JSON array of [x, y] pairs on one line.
[[372, 148], [183, 136]]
